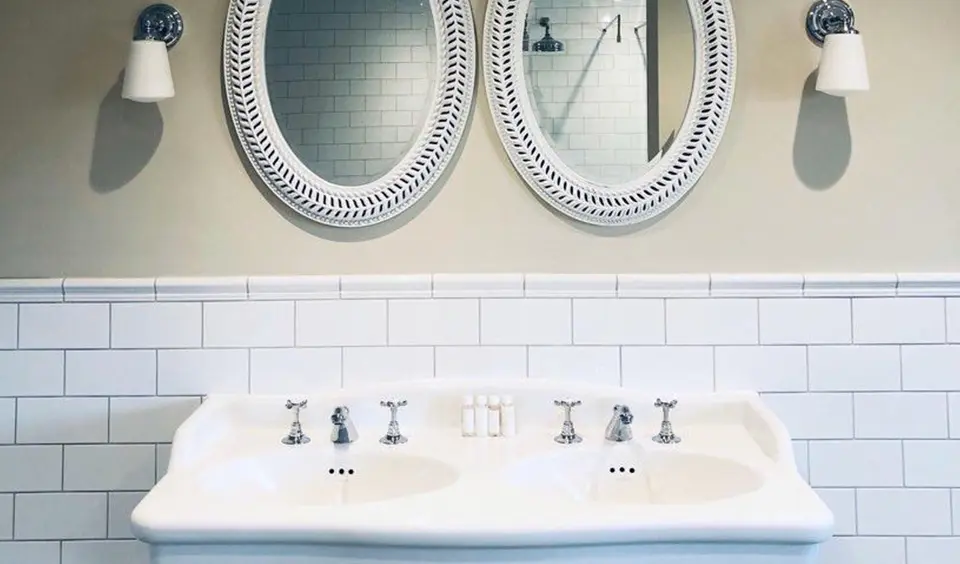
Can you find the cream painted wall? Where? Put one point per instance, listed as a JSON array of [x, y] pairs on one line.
[[73, 200]]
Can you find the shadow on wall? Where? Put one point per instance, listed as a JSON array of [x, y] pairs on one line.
[[127, 136], [822, 144]]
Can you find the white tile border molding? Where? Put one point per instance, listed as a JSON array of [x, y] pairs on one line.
[[33, 290]]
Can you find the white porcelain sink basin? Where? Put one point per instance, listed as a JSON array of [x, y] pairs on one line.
[[305, 477], [235, 494], [625, 476]]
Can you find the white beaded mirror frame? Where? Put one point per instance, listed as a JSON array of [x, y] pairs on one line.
[[659, 188], [293, 182]]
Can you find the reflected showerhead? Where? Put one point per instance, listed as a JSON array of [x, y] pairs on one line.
[[548, 44]]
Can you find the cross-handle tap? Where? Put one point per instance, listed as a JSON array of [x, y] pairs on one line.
[[666, 436], [568, 435], [343, 431], [393, 436], [296, 436], [619, 430]]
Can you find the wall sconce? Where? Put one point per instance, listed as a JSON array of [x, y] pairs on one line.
[[148, 77], [843, 62]]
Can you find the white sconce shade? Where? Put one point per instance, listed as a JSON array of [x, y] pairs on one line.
[[148, 77], [843, 65]]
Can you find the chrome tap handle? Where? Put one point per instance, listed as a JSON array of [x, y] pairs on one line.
[[666, 435], [568, 434], [618, 429], [296, 436], [393, 436], [343, 432]]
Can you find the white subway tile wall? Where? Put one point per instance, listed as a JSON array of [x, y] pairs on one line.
[[591, 100], [350, 82], [869, 387]]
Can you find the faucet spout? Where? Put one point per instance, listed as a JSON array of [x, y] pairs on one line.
[[344, 431], [619, 430]]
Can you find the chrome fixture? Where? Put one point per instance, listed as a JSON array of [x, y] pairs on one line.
[[548, 44], [618, 21], [568, 435], [618, 430], [829, 16], [393, 436], [343, 430], [148, 77], [843, 62], [296, 436], [666, 436], [160, 22]]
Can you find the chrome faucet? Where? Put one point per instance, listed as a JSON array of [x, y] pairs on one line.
[[618, 430], [296, 436], [343, 431], [568, 434], [393, 436], [666, 436]]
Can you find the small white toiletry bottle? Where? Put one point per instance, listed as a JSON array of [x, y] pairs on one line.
[[481, 419], [508, 417], [466, 417], [493, 427]]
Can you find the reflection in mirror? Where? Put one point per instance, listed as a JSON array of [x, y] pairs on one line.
[[609, 81], [350, 83]]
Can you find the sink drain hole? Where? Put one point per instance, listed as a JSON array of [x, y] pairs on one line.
[[623, 469]]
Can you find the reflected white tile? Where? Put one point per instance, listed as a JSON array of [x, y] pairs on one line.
[[477, 285], [294, 287], [386, 286], [842, 502], [933, 550], [201, 289], [8, 420], [109, 290], [663, 285], [6, 517], [30, 552], [31, 290], [570, 285]]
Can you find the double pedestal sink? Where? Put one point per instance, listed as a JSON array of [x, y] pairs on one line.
[[728, 492]]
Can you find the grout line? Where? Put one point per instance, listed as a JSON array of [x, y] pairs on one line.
[[110, 325], [856, 511], [946, 321], [17, 345], [903, 463]]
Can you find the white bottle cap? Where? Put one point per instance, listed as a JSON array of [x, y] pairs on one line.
[[481, 400], [494, 401], [467, 400]]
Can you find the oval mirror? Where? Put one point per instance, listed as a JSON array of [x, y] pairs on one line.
[[349, 111], [610, 109]]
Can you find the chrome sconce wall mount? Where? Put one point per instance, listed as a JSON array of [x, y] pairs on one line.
[[148, 77], [843, 63]]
